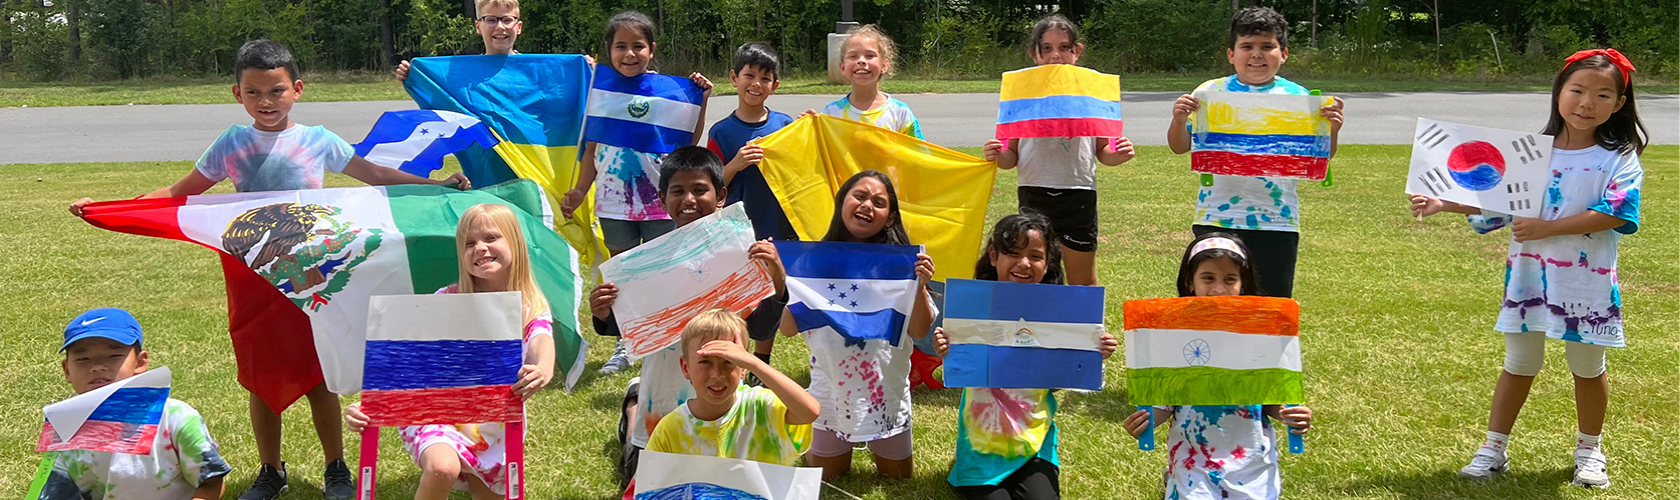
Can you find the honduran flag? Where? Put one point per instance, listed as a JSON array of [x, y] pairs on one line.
[[1059, 100], [1260, 135], [416, 140], [1237, 350], [443, 359], [1023, 335], [121, 417], [860, 290], [651, 113]]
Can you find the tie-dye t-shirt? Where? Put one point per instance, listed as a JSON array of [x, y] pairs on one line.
[[296, 158], [1221, 452], [895, 115], [664, 388], [183, 457], [754, 429], [627, 184], [999, 430], [1566, 285], [1257, 203]]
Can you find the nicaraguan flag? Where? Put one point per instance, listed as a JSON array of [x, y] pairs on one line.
[[1023, 335], [651, 113], [860, 290], [121, 417], [416, 140], [443, 359]]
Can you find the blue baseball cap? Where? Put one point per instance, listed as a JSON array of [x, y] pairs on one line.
[[108, 322]]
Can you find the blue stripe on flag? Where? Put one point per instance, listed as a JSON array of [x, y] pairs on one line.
[[637, 136], [391, 364], [1004, 301], [979, 365], [885, 324], [1264, 144], [850, 261], [420, 155], [135, 405], [1057, 106], [674, 88]]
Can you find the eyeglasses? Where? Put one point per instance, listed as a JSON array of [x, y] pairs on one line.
[[499, 20]]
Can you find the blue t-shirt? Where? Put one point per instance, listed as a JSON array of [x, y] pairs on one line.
[[295, 158], [727, 136]]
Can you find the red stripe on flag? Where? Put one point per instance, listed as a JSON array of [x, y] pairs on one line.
[[740, 292], [446, 405], [1252, 165], [1061, 127], [99, 435]]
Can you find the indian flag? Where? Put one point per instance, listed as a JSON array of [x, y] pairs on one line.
[[1213, 351]]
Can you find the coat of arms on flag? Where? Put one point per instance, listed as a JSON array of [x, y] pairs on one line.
[[1263, 135], [651, 113], [1059, 100], [121, 417], [859, 290], [1235, 350], [1023, 335]]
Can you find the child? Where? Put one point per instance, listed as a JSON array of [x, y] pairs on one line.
[[1560, 272], [1011, 454], [872, 402], [1228, 451], [754, 78], [867, 57], [1058, 175], [471, 457], [497, 23], [627, 205], [276, 154], [1264, 211], [103, 346], [690, 183]]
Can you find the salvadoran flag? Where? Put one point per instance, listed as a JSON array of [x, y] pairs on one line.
[[1023, 335], [416, 140], [121, 417], [443, 359], [1237, 350], [1059, 100], [860, 290], [651, 113]]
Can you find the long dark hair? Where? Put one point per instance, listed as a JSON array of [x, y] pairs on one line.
[[1187, 266], [1047, 23], [1623, 133], [1010, 235], [894, 232]]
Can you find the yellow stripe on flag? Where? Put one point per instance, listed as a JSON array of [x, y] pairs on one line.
[[1227, 118], [1059, 79], [555, 169]]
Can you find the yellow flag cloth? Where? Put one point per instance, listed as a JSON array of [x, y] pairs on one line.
[[942, 194]]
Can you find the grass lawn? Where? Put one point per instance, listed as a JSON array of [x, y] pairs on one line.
[[1400, 356]]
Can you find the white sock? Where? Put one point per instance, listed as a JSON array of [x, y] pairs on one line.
[[1585, 442], [1496, 442]]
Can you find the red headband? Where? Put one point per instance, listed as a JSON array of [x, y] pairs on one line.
[[1616, 58]]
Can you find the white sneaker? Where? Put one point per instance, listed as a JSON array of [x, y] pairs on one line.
[[619, 361], [1484, 465], [1590, 471]]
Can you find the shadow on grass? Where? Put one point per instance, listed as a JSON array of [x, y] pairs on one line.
[[947, 397], [1108, 404], [864, 482], [1428, 485]]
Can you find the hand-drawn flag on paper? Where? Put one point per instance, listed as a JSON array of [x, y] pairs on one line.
[[665, 282], [1023, 335], [1238, 350], [942, 193], [667, 476], [416, 140], [301, 266], [1059, 100], [443, 359], [651, 113], [121, 417], [1499, 170], [860, 290], [1260, 135]]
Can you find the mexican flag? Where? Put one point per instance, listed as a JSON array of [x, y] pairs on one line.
[[302, 265]]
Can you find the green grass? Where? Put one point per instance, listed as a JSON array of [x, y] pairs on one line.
[[1400, 357]]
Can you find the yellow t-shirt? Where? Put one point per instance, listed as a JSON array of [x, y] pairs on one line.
[[754, 429]]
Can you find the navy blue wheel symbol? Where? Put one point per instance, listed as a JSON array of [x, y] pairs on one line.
[[1197, 352]]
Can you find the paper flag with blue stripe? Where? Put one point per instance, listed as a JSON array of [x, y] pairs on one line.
[[416, 140], [1023, 335], [651, 113], [860, 290], [121, 417], [443, 358]]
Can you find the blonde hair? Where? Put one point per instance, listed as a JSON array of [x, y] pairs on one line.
[[479, 5], [713, 324], [883, 43], [519, 264]]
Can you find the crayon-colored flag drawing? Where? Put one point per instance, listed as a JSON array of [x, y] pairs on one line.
[[1059, 100], [121, 417], [1260, 135], [1023, 335], [1237, 350], [666, 476], [446, 358], [1499, 170]]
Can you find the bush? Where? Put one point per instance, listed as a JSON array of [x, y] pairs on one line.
[[1157, 35]]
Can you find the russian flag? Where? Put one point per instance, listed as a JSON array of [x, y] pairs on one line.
[[651, 113], [1023, 335], [443, 359], [121, 417], [1260, 135], [1237, 350], [860, 290], [416, 140], [1059, 100]]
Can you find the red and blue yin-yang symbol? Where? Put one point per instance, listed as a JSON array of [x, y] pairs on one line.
[[1476, 165]]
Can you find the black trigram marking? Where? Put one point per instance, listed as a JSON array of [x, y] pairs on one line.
[[1516, 187], [1432, 136], [1526, 150], [1436, 180], [1522, 204]]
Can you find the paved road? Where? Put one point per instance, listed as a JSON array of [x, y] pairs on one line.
[[181, 132]]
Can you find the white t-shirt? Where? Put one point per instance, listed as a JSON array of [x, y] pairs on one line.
[[1059, 162], [295, 158]]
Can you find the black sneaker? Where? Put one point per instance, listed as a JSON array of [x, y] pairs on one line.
[[340, 484], [270, 483]]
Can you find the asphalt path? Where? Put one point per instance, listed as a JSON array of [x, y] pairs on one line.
[[182, 131]]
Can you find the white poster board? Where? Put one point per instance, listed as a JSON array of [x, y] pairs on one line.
[[665, 476], [1496, 170]]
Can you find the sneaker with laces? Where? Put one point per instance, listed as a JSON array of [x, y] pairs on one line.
[[1484, 465], [339, 484], [1590, 469], [270, 483], [619, 361]]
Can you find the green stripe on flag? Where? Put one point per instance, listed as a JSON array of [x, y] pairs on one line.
[[1204, 385]]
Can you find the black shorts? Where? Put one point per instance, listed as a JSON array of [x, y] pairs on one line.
[[1036, 479], [1271, 252], [1072, 213]]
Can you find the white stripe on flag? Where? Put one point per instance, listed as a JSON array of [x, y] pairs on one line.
[[446, 316], [394, 154], [1081, 336], [853, 295], [1152, 348], [675, 115]]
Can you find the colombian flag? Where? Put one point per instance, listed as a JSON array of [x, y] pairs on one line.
[[1260, 135], [1059, 100]]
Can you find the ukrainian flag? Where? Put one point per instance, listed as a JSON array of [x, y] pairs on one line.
[[1059, 100]]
